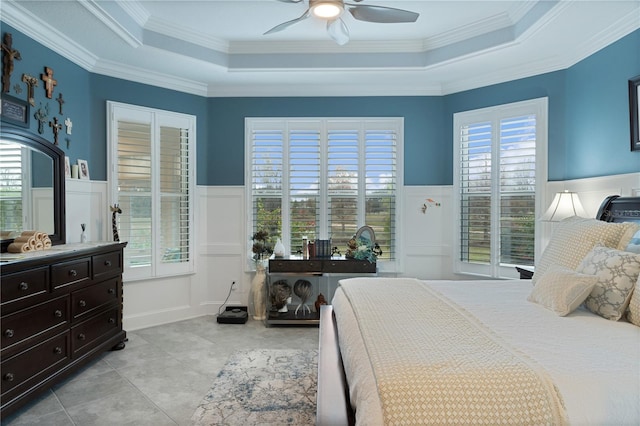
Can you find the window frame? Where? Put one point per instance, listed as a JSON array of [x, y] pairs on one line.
[[539, 107], [156, 118], [286, 123]]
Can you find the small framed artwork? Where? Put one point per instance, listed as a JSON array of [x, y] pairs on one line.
[[14, 111], [634, 112], [67, 167], [84, 169]]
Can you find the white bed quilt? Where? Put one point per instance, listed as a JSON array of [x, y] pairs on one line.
[[593, 362]]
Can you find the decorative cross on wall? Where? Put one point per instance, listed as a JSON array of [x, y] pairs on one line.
[[49, 81], [69, 125], [41, 115], [31, 82], [56, 128], [9, 54], [60, 102]]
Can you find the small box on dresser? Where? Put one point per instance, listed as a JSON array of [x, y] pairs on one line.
[[60, 309]]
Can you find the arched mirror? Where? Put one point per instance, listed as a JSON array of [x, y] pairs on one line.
[[32, 194]]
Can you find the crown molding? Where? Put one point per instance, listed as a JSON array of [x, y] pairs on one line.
[[176, 32], [291, 90], [136, 11], [107, 19], [149, 77], [40, 31]]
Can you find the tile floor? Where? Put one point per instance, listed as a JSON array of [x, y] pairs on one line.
[[159, 378]]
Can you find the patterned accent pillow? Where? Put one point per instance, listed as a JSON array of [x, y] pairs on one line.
[[562, 290], [633, 311], [575, 236], [617, 273]]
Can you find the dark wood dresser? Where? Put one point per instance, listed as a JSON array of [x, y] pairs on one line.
[[60, 308]]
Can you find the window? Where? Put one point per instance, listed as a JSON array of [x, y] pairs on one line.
[[500, 171], [324, 178], [152, 177]]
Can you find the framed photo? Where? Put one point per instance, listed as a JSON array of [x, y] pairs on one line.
[[14, 111], [634, 112], [67, 167], [83, 173]]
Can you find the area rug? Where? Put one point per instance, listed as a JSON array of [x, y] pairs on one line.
[[263, 387]]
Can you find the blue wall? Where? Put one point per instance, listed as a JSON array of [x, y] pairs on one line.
[[588, 115]]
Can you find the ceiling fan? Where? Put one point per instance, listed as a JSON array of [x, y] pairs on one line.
[[332, 10]]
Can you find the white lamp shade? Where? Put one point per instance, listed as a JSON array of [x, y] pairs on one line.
[[565, 204]]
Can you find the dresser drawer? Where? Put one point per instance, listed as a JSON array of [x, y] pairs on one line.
[[29, 323], [74, 272], [34, 363], [90, 299], [349, 266], [93, 331], [295, 265], [20, 285], [107, 265]]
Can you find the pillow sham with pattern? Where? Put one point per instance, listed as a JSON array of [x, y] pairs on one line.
[[617, 273], [562, 290], [575, 236], [633, 311]]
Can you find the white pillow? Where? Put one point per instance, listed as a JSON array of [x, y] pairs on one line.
[[575, 236], [562, 290], [617, 273], [633, 311]]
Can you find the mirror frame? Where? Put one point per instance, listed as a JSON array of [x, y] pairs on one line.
[[25, 137], [366, 232]]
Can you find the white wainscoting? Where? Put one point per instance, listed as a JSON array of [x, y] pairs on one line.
[[426, 241]]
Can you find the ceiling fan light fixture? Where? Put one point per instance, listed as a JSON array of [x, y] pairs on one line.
[[327, 9]]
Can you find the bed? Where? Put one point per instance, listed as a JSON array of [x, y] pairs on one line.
[[561, 348]]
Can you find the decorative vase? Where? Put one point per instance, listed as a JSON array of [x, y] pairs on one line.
[[257, 288], [278, 250]]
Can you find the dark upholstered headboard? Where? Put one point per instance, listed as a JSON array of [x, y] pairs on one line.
[[619, 209]]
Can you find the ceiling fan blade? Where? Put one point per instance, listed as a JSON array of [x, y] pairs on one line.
[[381, 14], [287, 24], [338, 31]]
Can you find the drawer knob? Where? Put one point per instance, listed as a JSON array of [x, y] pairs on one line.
[[82, 303], [8, 333], [81, 336], [73, 272], [107, 263], [58, 313], [111, 291], [8, 377], [112, 320], [57, 350], [24, 286]]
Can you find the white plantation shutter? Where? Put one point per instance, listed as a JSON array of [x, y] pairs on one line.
[[134, 192], [175, 212], [266, 181], [343, 184], [381, 187], [153, 183], [341, 174], [498, 178], [304, 185], [11, 195]]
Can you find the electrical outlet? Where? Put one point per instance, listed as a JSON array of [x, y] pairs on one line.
[[234, 287]]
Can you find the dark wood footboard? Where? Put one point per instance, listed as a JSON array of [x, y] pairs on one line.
[[333, 406]]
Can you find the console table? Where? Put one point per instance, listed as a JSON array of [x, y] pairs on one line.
[[317, 271], [61, 308]]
